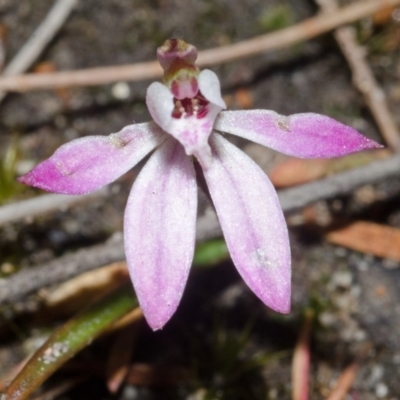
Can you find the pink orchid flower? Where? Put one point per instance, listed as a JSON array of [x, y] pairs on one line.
[[160, 216]]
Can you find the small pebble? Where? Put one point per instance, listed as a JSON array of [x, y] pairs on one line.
[[7, 268], [359, 335], [341, 252], [355, 291], [381, 390], [327, 319], [24, 166], [273, 393], [342, 301], [342, 279], [377, 373], [130, 393], [390, 264], [121, 91], [396, 15], [362, 266], [72, 227], [396, 358], [347, 334]]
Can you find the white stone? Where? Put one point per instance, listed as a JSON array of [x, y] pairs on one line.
[[121, 91], [381, 390]]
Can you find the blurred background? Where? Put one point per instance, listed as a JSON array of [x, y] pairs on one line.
[[341, 337]]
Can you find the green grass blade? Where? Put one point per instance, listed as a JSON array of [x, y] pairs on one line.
[[210, 253], [68, 340]]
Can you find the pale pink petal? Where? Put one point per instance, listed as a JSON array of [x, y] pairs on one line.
[[305, 135], [88, 163], [159, 225], [160, 102], [191, 130], [210, 88], [252, 222]]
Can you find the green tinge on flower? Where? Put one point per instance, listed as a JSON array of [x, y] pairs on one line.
[[159, 231], [189, 101], [178, 58]]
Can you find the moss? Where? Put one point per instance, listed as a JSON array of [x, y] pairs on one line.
[[8, 162], [275, 18]]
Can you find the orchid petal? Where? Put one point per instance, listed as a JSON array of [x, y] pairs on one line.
[[192, 131], [306, 135], [160, 102], [86, 164], [160, 221], [252, 222], [210, 88]]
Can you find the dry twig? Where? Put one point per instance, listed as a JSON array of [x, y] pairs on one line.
[[344, 383], [207, 226], [363, 78], [2, 46], [39, 40], [157, 375], [120, 354], [30, 280], [72, 295], [305, 30], [339, 185], [301, 360], [128, 319], [43, 204]]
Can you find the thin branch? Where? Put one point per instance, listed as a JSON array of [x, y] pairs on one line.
[[302, 31], [207, 226], [344, 383], [339, 185], [2, 47], [363, 78], [43, 204], [30, 280], [302, 359], [34, 47], [39, 40]]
